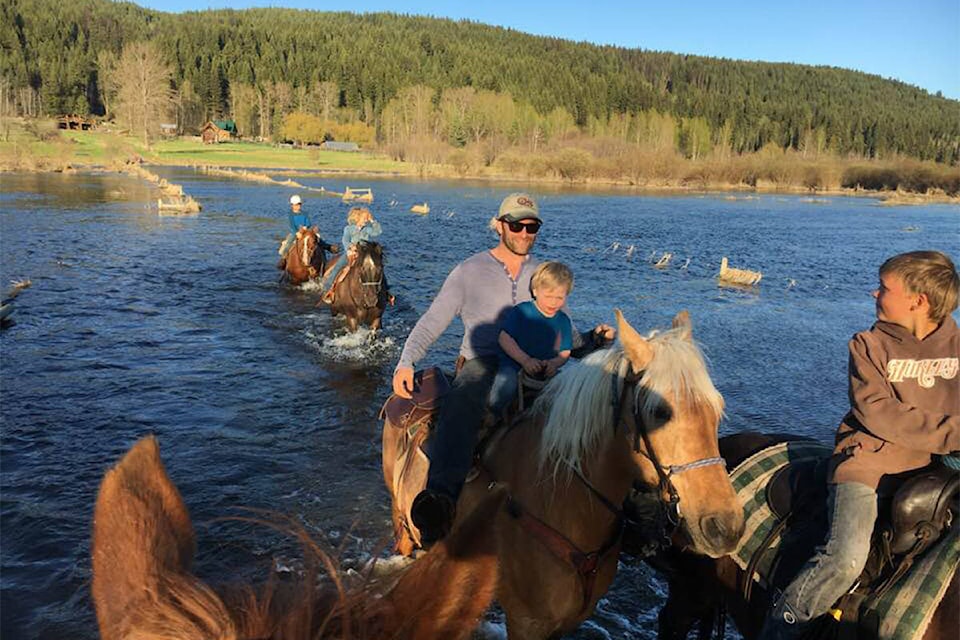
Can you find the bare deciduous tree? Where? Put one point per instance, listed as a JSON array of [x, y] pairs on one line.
[[144, 96]]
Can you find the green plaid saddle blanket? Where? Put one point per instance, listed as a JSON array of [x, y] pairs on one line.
[[905, 611]]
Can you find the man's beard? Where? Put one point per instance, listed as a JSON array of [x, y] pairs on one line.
[[517, 244]]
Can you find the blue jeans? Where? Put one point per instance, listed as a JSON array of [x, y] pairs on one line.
[[504, 389], [833, 568], [451, 446], [331, 277]]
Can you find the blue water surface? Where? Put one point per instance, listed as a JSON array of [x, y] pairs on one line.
[[137, 323]]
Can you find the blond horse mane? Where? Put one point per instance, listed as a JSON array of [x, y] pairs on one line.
[[578, 405]]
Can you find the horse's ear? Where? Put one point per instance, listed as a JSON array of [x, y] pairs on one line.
[[682, 322], [638, 350]]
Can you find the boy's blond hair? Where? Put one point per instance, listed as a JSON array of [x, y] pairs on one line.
[[552, 274], [358, 213], [930, 273]]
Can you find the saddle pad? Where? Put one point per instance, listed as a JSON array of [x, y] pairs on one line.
[[906, 610], [750, 480]]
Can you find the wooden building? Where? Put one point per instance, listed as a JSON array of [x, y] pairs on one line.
[[74, 121], [218, 131]]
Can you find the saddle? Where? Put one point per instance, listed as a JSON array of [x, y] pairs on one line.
[[415, 417], [908, 524]]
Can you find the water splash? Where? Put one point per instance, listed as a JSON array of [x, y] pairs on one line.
[[363, 345]]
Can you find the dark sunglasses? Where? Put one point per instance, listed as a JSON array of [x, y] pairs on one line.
[[531, 227]]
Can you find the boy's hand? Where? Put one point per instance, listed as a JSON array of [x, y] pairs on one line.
[[533, 366], [551, 368]]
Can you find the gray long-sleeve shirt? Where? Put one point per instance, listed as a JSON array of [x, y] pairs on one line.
[[479, 290]]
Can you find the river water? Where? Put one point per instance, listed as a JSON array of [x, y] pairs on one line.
[[137, 323]]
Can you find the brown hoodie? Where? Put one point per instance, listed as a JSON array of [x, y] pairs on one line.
[[904, 402]]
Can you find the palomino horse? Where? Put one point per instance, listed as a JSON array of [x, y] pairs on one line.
[[704, 590], [362, 294], [643, 412], [306, 259], [143, 546]]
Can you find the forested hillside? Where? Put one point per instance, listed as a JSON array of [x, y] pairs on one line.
[[261, 65]]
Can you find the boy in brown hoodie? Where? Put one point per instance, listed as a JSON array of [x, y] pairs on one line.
[[904, 407]]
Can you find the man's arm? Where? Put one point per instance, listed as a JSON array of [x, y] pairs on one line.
[[874, 405], [589, 341], [431, 324]]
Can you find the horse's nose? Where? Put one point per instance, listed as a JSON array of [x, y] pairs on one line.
[[723, 530]]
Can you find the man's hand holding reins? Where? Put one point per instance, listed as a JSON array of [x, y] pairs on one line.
[[403, 382]]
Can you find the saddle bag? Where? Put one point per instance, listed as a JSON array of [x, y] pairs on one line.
[[429, 388]]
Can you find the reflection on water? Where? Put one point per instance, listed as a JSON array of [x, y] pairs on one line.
[[141, 324]]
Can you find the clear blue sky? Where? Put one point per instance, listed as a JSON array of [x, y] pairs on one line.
[[916, 41]]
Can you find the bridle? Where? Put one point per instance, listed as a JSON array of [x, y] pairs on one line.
[[377, 284], [587, 564], [623, 392]]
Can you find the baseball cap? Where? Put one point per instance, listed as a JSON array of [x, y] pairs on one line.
[[295, 199], [518, 206]]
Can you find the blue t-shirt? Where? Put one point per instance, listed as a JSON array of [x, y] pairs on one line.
[[540, 337], [298, 220]]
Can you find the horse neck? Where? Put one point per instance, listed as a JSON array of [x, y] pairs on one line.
[[563, 499]]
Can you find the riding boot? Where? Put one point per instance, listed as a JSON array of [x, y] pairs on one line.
[[432, 513]]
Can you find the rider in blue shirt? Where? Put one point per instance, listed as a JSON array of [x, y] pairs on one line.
[[361, 227], [296, 219]]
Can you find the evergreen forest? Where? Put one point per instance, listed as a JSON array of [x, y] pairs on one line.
[[387, 79]]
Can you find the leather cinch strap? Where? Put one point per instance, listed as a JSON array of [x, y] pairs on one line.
[[586, 564]]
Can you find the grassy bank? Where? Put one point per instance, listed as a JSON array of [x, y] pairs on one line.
[[36, 145]]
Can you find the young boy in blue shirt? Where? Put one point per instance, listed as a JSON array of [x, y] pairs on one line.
[[535, 336]]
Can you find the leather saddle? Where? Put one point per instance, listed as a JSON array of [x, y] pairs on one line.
[[919, 513], [415, 418]]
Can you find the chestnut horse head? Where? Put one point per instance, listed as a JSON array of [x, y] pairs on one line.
[[306, 259], [143, 547], [362, 295], [657, 393]]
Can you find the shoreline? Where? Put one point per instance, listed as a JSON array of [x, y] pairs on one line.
[[437, 172]]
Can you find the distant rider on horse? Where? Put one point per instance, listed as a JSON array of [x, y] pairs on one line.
[[361, 227], [297, 218]]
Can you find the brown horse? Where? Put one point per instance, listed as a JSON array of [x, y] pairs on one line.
[[306, 259], [644, 412], [362, 293], [143, 546], [704, 590]]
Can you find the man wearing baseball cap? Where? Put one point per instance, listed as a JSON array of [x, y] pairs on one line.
[[479, 290]]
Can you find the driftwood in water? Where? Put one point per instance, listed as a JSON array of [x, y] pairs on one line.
[[663, 261], [358, 195], [178, 204], [744, 277]]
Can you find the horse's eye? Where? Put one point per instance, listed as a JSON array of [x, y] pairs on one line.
[[662, 413]]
